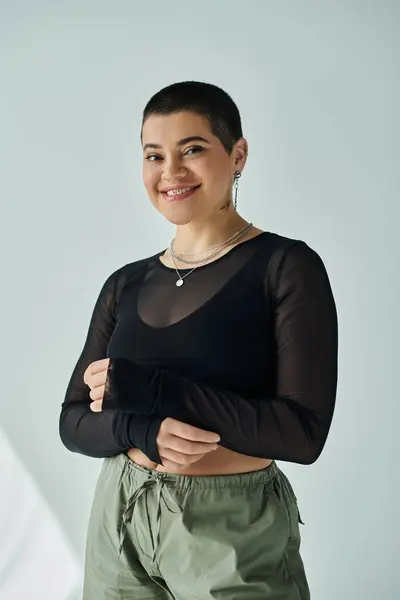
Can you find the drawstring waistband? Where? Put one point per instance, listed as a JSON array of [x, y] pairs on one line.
[[158, 479], [271, 476]]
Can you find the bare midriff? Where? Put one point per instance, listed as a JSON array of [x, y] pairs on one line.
[[217, 462]]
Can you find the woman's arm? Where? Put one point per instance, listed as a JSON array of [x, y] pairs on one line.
[[292, 425], [108, 433]]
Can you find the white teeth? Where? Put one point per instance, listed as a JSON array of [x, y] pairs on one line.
[[176, 192]]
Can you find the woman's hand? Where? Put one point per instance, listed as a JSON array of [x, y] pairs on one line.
[[180, 445], [95, 377]]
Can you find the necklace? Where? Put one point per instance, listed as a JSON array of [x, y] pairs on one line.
[[217, 248], [234, 237], [195, 253]]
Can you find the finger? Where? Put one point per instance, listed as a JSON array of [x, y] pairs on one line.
[[170, 465], [96, 406], [187, 447], [94, 381], [180, 459], [86, 375], [96, 367], [100, 365], [189, 432], [97, 393]]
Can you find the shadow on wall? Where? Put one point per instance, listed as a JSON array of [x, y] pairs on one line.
[[36, 559]]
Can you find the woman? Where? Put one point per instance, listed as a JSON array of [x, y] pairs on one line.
[[203, 364]]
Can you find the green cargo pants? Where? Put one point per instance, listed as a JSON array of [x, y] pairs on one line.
[[225, 537]]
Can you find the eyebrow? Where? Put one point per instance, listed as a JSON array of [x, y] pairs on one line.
[[193, 138]]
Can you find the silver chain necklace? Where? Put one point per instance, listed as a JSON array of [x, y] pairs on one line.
[[234, 237], [218, 248]]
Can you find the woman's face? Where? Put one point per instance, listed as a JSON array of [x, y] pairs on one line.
[[180, 152]]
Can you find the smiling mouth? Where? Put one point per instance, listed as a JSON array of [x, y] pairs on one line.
[[180, 193], [183, 189]]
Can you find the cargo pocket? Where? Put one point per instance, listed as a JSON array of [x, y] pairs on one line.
[[291, 499]]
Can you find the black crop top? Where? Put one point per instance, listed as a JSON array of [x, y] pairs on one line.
[[246, 348]]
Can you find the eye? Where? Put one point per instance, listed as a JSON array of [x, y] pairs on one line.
[[150, 157], [194, 150]]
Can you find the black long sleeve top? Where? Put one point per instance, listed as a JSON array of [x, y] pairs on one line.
[[247, 348]]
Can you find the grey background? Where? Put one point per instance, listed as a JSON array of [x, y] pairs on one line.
[[317, 86]]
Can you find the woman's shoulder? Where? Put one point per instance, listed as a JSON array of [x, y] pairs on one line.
[[130, 272], [289, 254], [277, 245], [293, 263]]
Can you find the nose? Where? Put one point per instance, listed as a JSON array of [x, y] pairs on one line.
[[173, 170]]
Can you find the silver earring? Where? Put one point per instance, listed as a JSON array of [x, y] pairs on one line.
[[236, 185]]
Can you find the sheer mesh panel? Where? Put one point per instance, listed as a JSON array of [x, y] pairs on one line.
[[247, 348]]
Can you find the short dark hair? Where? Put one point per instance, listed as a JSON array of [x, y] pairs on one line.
[[204, 99]]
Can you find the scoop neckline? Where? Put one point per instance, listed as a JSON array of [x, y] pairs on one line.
[[213, 262]]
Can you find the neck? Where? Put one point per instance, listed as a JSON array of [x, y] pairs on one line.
[[196, 237]]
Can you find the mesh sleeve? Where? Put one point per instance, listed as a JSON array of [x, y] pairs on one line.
[[106, 433]]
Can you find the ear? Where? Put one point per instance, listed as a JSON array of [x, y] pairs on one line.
[[240, 152]]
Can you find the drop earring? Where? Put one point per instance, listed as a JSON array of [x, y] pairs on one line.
[[236, 186]]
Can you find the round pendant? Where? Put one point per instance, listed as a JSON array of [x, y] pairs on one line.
[[179, 283]]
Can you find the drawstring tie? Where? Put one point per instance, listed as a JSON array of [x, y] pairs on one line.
[[130, 507]]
